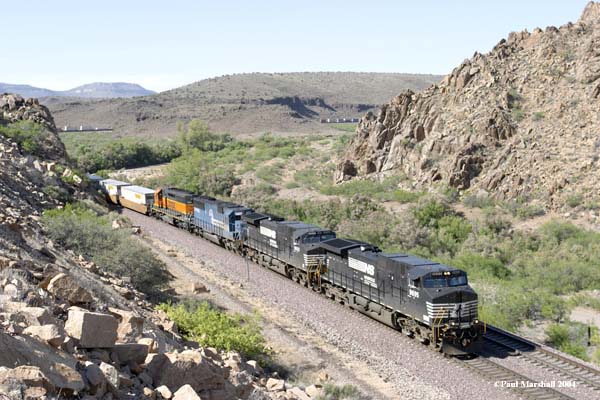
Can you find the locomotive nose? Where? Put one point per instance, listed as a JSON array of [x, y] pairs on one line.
[[456, 296]]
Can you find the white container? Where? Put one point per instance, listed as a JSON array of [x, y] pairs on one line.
[[113, 187], [137, 194]]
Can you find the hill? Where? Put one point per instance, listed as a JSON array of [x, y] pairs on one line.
[[90, 90], [245, 103], [520, 122]]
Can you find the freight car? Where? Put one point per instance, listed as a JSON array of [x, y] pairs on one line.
[[423, 299], [137, 198], [112, 189]]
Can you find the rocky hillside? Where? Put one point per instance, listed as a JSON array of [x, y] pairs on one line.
[[105, 90], [245, 103], [68, 329], [519, 122]]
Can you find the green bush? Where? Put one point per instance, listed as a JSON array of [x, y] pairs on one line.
[[197, 135], [570, 338], [27, 134], [210, 327], [96, 152], [538, 116], [479, 201], [335, 392], [574, 200], [430, 213], [83, 231]]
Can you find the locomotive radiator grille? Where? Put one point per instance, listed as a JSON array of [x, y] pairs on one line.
[[314, 260], [451, 310]]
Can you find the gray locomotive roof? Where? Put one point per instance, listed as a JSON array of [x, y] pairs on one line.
[[341, 245], [293, 228], [416, 266]]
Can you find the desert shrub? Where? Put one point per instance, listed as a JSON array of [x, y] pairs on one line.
[[569, 338], [210, 327], [197, 135], [78, 228], [430, 212], [538, 116], [269, 173], [479, 201], [523, 210], [336, 392], [574, 200], [385, 190], [477, 265], [27, 134]]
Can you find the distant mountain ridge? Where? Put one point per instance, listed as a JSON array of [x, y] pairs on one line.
[[96, 90], [248, 103]]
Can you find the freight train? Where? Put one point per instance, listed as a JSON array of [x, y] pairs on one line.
[[429, 301]]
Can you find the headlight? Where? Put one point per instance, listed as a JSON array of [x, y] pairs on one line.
[[453, 323], [475, 321]]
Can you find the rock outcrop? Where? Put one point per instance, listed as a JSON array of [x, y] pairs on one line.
[[518, 122], [13, 108], [69, 330]]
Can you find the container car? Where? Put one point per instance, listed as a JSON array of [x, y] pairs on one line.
[[137, 198], [112, 189]]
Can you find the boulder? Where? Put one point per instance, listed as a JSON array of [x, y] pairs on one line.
[[65, 287], [149, 393], [93, 374], [253, 368], [58, 367], [130, 325], [186, 392], [37, 316], [150, 343], [275, 385], [92, 329], [298, 393], [164, 392], [314, 391], [50, 333], [187, 367], [131, 352], [111, 374], [96, 379], [30, 376], [197, 288]]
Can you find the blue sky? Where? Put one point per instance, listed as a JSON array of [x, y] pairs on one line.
[[164, 44]]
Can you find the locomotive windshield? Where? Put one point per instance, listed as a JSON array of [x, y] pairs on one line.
[[437, 280]]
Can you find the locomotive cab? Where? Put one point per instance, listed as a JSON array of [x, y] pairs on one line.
[[450, 308]]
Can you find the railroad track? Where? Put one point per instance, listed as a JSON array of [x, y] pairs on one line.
[[508, 378], [563, 366]]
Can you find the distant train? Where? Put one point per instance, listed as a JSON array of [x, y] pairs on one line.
[[421, 298]]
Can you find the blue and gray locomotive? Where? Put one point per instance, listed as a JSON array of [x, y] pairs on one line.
[[423, 299]]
